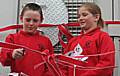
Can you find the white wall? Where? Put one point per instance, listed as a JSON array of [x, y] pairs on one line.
[[116, 9], [106, 8], [8, 16], [8, 12], [108, 12]]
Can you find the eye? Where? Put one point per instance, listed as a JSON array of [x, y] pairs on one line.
[[28, 19], [84, 14], [35, 20]]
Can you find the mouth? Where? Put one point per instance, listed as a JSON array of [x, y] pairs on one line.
[[82, 23], [30, 28]]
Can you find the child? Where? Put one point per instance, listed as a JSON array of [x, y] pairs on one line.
[[91, 41], [21, 60]]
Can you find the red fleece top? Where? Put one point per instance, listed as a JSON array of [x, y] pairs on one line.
[[27, 63], [93, 42]]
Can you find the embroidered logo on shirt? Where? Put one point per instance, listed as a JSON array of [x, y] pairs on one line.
[[87, 44], [76, 53]]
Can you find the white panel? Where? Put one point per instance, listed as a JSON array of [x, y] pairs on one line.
[[116, 9], [8, 13], [106, 8], [114, 29], [8, 16], [117, 55]]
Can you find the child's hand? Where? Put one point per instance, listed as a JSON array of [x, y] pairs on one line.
[[18, 53]]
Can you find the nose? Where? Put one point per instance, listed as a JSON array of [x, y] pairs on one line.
[[80, 18], [31, 23]]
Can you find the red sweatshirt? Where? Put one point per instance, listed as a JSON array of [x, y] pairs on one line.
[[93, 42], [27, 63]]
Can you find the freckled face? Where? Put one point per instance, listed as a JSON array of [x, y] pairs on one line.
[[31, 19]]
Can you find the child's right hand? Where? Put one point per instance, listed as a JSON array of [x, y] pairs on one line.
[[18, 53]]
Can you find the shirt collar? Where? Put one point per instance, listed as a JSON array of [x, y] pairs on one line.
[[91, 32], [28, 34]]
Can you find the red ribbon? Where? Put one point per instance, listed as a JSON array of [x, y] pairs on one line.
[[64, 31], [49, 59], [17, 26]]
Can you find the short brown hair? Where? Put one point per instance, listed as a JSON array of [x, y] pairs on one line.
[[34, 7]]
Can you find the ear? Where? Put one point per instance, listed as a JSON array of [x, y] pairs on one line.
[[97, 17], [21, 18]]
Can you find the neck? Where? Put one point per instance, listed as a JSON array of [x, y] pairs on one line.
[[88, 30], [30, 33]]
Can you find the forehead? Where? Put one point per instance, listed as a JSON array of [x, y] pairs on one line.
[[83, 10], [31, 13]]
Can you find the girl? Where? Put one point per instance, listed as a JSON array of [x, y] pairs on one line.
[[91, 41], [24, 61]]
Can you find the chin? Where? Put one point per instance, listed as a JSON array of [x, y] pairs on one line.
[[82, 26], [31, 31]]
